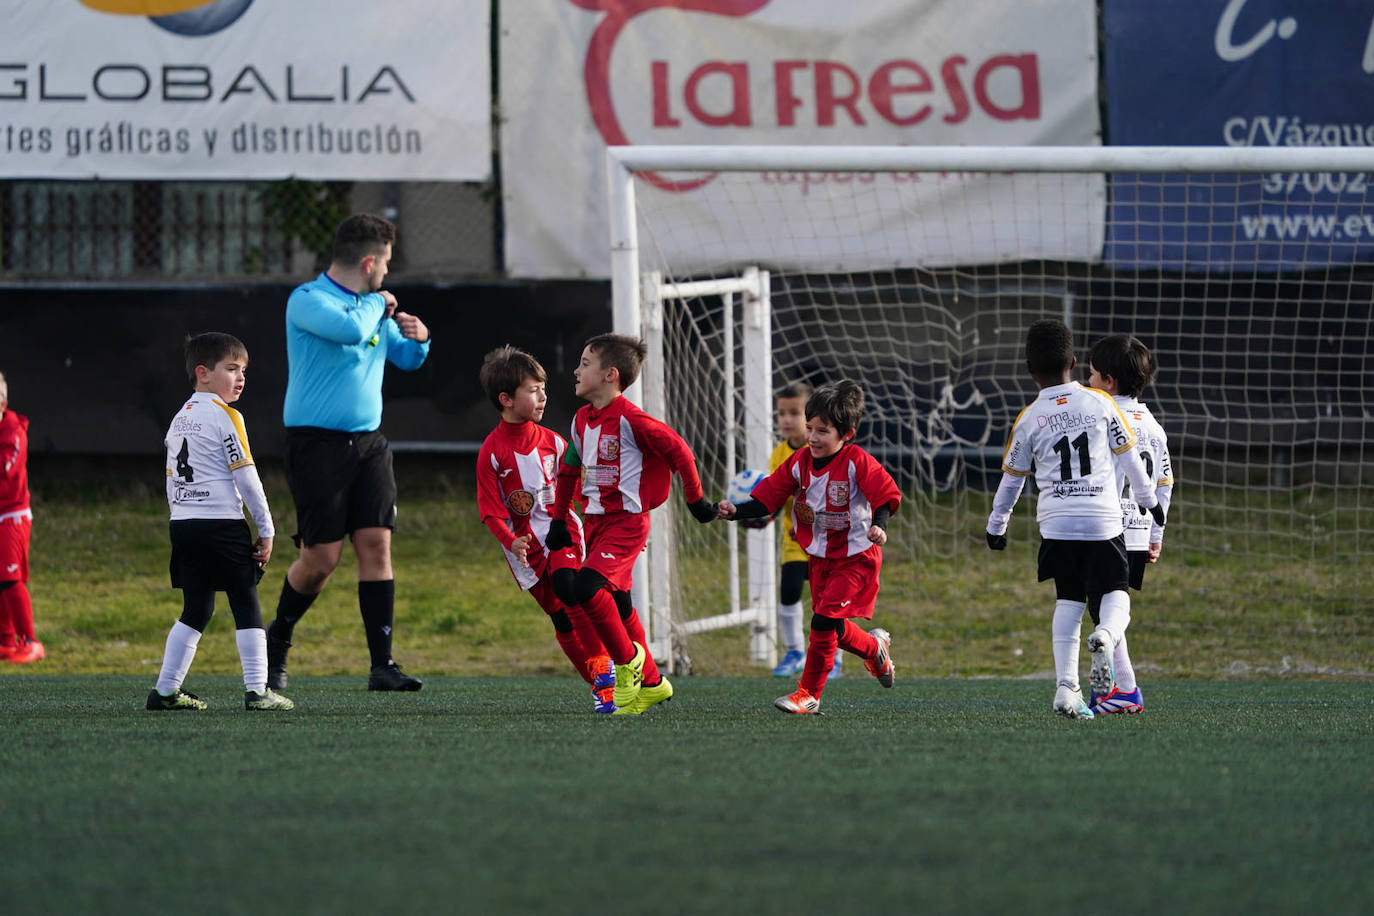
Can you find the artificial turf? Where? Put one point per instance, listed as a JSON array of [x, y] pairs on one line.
[[507, 795]]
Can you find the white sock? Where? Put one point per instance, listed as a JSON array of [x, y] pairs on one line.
[[790, 626], [1115, 615], [177, 657], [1068, 620], [1125, 674], [253, 655]]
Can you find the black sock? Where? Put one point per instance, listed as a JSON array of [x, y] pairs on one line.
[[291, 607], [377, 603]]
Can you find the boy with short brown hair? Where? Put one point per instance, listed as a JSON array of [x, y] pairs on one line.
[[517, 468], [624, 460]]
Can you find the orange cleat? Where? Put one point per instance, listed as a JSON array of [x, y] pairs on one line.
[[31, 650], [801, 703]]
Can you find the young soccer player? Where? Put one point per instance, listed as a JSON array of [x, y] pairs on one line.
[[210, 476], [17, 641], [843, 499], [1122, 366], [791, 408], [625, 460], [1076, 441], [517, 468]]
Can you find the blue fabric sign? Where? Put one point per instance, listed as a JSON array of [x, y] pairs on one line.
[[1240, 73]]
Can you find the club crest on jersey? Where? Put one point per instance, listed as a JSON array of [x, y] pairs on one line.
[[805, 514], [608, 448], [521, 502], [837, 493], [546, 462]]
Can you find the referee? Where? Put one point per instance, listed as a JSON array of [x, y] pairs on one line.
[[341, 330]]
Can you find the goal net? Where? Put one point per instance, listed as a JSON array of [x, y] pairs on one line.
[[916, 271]]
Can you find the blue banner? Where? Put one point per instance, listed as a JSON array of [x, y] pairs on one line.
[[1239, 73]]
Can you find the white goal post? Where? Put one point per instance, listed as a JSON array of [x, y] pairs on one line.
[[943, 308]]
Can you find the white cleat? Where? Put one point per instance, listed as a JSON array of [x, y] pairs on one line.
[[1102, 674], [1068, 702]]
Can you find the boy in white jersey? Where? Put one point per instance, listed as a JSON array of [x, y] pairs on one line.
[[1122, 366], [210, 476], [517, 467], [1077, 442]]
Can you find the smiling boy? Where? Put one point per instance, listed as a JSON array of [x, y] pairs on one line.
[[842, 501]]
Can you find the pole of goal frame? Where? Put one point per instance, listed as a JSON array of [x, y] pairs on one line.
[[627, 318]]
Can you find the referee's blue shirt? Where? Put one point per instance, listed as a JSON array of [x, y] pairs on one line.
[[337, 345]]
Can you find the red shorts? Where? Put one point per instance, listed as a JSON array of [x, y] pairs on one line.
[[614, 542], [542, 591], [14, 548], [844, 587]]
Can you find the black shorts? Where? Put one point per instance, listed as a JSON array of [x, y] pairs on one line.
[[340, 482], [1138, 559], [1083, 568], [214, 554]]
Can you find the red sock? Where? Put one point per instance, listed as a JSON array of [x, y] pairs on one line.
[[820, 658], [572, 648], [854, 638], [17, 610], [6, 628], [635, 630], [606, 618], [586, 632]]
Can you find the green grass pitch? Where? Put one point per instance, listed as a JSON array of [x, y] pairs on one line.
[[507, 795]]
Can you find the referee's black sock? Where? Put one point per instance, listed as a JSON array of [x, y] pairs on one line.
[[291, 607], [377, 603]]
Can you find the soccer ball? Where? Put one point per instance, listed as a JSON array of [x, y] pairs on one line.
[[742, 484]]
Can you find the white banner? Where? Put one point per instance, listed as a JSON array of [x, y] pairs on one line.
[[769, 72], [245, 89]]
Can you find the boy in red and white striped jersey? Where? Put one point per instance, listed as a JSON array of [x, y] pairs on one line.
[[17, 641], [517, 467], [843, 499], [625, 460]]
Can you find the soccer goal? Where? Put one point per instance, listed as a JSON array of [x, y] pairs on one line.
[[1249, 272]]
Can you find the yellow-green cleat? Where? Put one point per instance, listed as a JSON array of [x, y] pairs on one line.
[[268, 699], [648, 696], [179, 700], [629, 678]]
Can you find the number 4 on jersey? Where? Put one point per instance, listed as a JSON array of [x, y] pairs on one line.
[[184, 469]]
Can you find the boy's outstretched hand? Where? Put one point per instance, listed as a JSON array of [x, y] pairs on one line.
[[703, 510], [725, 510], [996, 541], [558, 536], [521, 548]]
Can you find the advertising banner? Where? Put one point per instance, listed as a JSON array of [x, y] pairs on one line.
[[1239, 73], [579, 75], [245, 89]]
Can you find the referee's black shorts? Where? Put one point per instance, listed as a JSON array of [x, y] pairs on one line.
[[213, 554], [340, 482], [1083, 568]]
